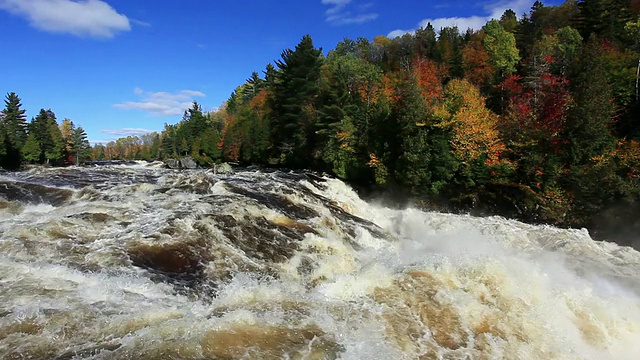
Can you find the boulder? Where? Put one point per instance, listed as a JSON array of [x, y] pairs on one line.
[[223, 168], [172, 163], [188, 163], [182, 163]]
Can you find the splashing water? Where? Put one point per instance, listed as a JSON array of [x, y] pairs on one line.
[[140, 262]]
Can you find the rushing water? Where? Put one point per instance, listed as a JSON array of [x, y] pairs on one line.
[[140, 262]]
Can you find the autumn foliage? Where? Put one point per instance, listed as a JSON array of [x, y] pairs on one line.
[[526, 117]]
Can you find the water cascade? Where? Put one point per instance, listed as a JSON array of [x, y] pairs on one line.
[[141, 262]]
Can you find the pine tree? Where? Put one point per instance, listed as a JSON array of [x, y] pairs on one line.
[[3, 148], [31, 150], [14, 128], [424, 161], [590, 119], [81, 146], [605, 18], [54, 148], [296, 91], [168, 147]]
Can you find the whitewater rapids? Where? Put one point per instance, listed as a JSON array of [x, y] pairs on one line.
[[140, 262]]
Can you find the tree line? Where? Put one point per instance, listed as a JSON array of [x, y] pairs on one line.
[[41, 141], [536, 117]]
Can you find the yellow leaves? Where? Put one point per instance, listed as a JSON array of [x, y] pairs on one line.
[[380, 170], [625, 157], [343, 135], [374, 161], [474, 128]]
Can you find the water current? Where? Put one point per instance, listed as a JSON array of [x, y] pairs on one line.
[[141, 262]]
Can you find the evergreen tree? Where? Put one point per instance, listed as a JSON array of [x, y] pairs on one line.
[[605, 18], [168, 147], [448, 50], [31, 150], [509, 21], [14, 128], [296, 91], [54, 147], [424, 161], [3, 148], [425, 41], [351, 89], [252, 86], [590, 119], [81, 146]]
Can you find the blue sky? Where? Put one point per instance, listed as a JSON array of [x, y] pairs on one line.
[[126, 67]]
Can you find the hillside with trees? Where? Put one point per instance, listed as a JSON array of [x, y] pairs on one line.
[[535, 118]]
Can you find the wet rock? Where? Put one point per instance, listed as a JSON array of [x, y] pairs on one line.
[[182, 163], [223, 168], [260, 239], [188, 163], [276, 202], [179, 263], [33, 193]]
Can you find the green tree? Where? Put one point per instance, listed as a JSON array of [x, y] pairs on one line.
[[501, 47], [590, 119], [31, 151], [168, 147], [605, 18], [424, 160], [509, 21], [351, 88], [633, 29], [14, 128], [81, 146], [296, 90], [503, 54], [448, 50], [3, 148], [54, 149]]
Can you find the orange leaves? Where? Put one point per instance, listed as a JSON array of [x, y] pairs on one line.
[[476, 62], [258, 103], [428, 76], [429, 79], [374, 161], [474, 128], [343, 139], [390, 84], [625, 157]]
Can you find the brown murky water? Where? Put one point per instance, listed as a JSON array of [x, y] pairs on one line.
[[140, 262]]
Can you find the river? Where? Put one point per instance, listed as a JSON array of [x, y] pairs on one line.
[[140, 262]]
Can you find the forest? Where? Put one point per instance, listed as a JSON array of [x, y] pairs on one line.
[[41, 141], [534, 117]]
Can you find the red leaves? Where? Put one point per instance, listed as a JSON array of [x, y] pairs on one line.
[[476, 62], [429, 79], [538, 105]]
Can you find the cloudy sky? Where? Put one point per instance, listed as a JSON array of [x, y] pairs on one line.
[[122, 67]]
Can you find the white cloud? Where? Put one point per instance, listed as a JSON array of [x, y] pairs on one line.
[[491, 10], [92, 18], [161, 103], [340, 13], [127, 131]]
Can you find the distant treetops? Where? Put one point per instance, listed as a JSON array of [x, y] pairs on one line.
[[42, 141]]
